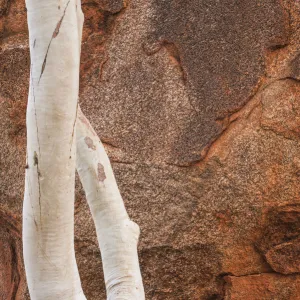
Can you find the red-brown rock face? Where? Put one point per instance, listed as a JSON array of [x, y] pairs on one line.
[[198, 106], [12, 281]]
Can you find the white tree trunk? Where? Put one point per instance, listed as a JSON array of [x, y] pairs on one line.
[[117, 234], [48, 212]]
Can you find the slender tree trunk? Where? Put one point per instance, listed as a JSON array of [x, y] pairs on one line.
[[117, 234], [48, 213], [48, 233]]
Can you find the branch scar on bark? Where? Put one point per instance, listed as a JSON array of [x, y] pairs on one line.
[[35, 159], [33, 214], [90, 143], [36, 163], [36, 122], [54, 35], [101, 173], [73, 130]]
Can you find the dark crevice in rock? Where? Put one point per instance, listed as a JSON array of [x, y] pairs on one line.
[[281, 135], [190, 164], [108, 143], [15, 274], [115, 161], [175, 58], [100, 21], [174, 54], [10, 241], [228, 120], [4, 7], [281, 238], [297, 80], [277, 47], [245, 275], [102, 64], [10, 222]]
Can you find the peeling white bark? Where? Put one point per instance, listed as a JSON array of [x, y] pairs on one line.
[[48, 212], [117, 234]]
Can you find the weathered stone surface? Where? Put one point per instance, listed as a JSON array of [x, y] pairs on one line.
[[197, 265], [280, 242], [220, 46], [12, 18], [197, 103], [262, 286], [12, 277]]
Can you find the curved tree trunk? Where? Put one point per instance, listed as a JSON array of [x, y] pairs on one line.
[[117, 234], [48, 213]]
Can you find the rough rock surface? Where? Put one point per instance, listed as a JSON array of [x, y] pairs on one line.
[[198, 105]]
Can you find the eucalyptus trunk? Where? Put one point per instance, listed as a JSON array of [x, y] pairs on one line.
[[54, 119]]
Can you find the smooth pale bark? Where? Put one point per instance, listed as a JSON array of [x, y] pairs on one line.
[[117, 234], [48, 212]]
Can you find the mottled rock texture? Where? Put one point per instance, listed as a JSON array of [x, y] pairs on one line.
[[198, 105]]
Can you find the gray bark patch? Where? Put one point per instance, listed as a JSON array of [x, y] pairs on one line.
[[90, 143], [35, 159], [101, 173]]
